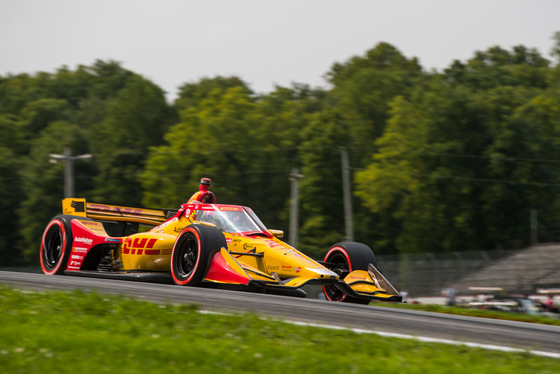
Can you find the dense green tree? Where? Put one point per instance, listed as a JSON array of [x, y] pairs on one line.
[[213, 139], [43, 182], [389, 184], [11, 134], [109, 77], [498, 67], [362, 89], [17, 91], [10, 197], [353, 115], [246, 144], [555, 50], [37, 115], [282, 117], [101, 109], [440, 161], [440, 172], [136, 119], [322, 218], [74, 87], [524, 158], [193, 93]]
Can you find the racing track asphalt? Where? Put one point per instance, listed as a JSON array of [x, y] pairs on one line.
[[501, 333]]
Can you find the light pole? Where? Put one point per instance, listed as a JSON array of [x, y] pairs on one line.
[[68, 160], [534, 227], [295, 176], [347, 194]]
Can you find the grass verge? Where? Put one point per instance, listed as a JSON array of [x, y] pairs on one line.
[[76, 332]]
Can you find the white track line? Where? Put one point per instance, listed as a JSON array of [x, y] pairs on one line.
[[431, 340], [412, 337]]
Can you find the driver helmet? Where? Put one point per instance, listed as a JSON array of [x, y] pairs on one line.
[[204, 195]]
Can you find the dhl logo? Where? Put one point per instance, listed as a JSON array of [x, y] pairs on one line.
[[115, 209], [139, 246], [357, 278]]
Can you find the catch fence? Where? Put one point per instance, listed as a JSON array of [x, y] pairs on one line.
[[517, 271]]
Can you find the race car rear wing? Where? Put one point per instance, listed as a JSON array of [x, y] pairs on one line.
[[105, 212]]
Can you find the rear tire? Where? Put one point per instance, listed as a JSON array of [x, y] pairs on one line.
[[192, 253], [56, 245], [344, 258]]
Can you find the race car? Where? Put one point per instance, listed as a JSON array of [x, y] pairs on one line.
[[203, 244]]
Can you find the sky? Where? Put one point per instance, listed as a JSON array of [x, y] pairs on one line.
[[264, 42]]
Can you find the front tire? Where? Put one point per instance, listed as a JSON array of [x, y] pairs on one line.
[[192, 253], [56, 245], [343, 258]]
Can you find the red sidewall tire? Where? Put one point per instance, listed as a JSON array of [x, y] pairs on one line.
[[340, 250], [175, 272], [192, 253], [336, 250], [355, 256], [51, 262]]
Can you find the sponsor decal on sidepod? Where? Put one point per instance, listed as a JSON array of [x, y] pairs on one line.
[[87, 241]]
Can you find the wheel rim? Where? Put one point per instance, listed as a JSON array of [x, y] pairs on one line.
[[52, 247], [186, 257], [342, 268]]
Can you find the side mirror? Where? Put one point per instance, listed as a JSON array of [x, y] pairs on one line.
[[207, 224], [277, 233]]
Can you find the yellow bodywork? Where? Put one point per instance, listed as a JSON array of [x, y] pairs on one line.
[[263, 259], [147, 251]]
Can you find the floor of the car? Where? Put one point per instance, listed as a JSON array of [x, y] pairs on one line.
[[154, 277]]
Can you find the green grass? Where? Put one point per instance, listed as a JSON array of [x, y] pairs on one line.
[[475, 312], [59, 332]]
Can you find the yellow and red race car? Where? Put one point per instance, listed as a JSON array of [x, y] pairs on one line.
[[202, 244]]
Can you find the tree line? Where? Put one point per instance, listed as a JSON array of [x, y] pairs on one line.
[[440, 160]]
